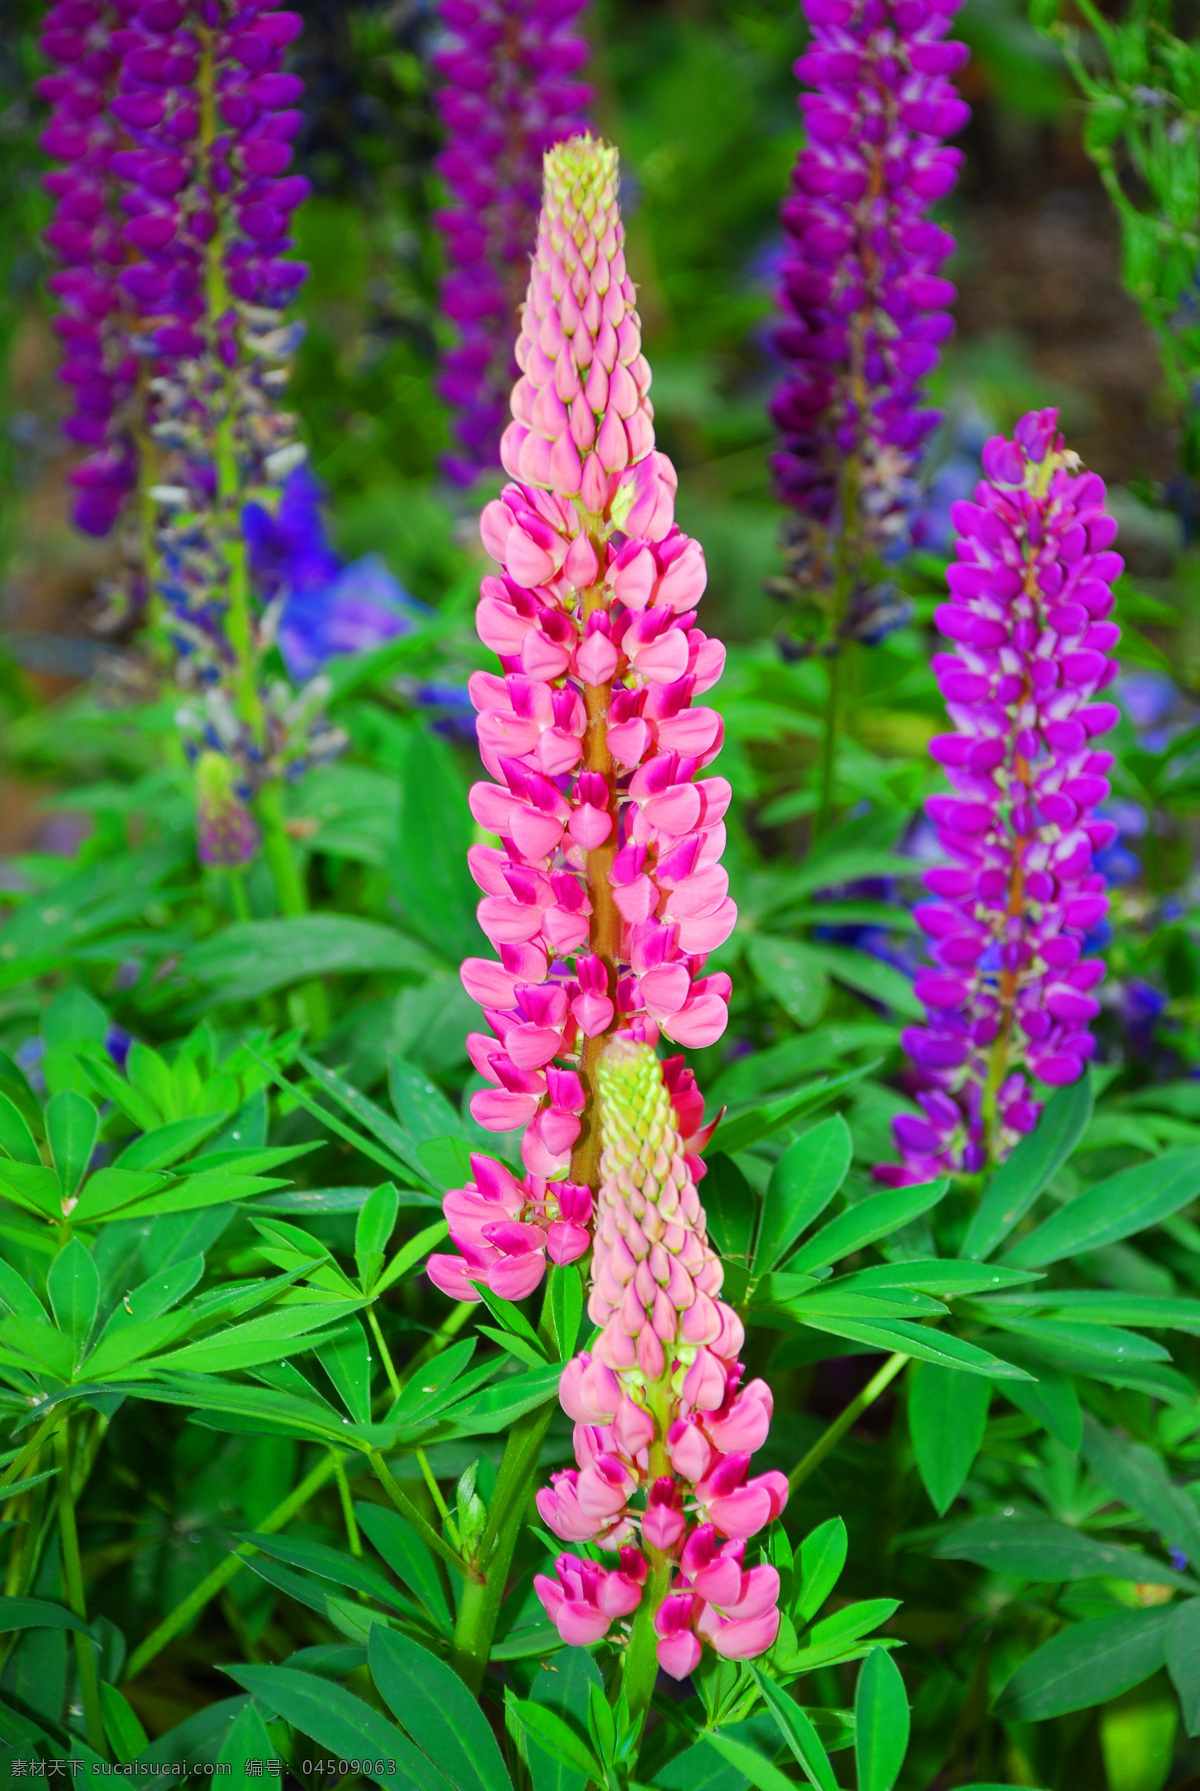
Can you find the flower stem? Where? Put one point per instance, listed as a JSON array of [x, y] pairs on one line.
[[482, 1595], [833, 1435], [85, 1658], [410, 1514], [289, 891], [343, 1486]]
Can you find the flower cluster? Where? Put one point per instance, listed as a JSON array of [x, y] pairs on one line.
[[664, 1428], [865, 301], [1009, 994], [86, 237], [509, 96], [606, 891]]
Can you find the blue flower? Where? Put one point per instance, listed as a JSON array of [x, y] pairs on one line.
[[329, 606]]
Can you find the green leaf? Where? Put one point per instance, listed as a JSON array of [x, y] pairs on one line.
[[15, 1136], [39, 1613], [566, 1689], [863, 1223], [328, 1564], [255, 957], [763, 1774], [1113, 1209], [346, 1359], [496, 1407], [881, 1722], [248, 1739], [793, 973], [798, 1732], [566, 1307], [407, 1557], [1136, 1474], [437, 1710], [33, 1186], [557, 1737], [342, 1723], [1183, 1660], [948, 1279], [741, 1130], [164, 1145], [822, 1557], [375, 1225], [72, 1127], [73, 1285], [729, 1204], [427, 1390], [921, 1341], [947, 1416], [110, 1190], [1033, 1549], [428, 869], [419, 1103], [400, 1157], [415, 1251], [265, 1339], [872, 977], [1052, 1402], [1035, 1161], [803, 1182], [1086, 1664], [125, 1733]]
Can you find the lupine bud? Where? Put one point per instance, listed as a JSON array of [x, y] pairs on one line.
[[1009, 993], [508, 97], [866, 305], [227, 833], [606, 892], [666, 1434]]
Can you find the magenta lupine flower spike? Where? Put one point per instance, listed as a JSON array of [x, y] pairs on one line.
[[865, 301], [509, 96], [664, 1430], [1009, 995], [606, 891], [85, 235]]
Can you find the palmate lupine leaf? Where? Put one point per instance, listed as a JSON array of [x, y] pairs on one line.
[[342, 1723], [1087, 1664], [803, 1182], [1035, 1549]]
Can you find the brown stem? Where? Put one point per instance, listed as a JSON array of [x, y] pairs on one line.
[[605, 930]]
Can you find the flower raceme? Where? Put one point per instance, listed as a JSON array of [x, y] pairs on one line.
[[606, 891], [1010, 993], [861, 285], [664, 1428]]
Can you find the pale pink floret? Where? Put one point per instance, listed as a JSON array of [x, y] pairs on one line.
[[585, 1600]]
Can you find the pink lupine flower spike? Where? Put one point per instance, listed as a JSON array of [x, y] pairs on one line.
[[605, 893]]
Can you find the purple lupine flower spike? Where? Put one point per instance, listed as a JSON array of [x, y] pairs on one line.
[[509, 96], [865, 302], [85, 235], [1009, 995]]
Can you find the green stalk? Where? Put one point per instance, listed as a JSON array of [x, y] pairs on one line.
[[411, 1514], [827, 774], [483, 1592], [290, 892], [833, 1435], [351, 1522], [85, 1659]]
